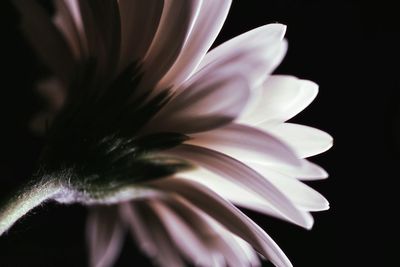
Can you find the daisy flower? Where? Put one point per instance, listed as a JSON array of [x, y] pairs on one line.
[[164, 139]]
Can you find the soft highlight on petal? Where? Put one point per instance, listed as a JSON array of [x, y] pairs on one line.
[[282, 98], [242, 196], [105, 236], [228, 215], [176, 22], [304, 140], [244, 142], [241, 174], [212, 15], [214, 102]]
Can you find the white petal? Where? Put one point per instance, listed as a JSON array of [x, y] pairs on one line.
[[167, 255], [208, 24], [305, 141], [105, 236], [150, 233], [301, 194], [228, 215], [204, 104], [139, 23], [282, 98], [176, 22], [304, 196], [139, 228], [219, 240], [241, 196], [45, 38], [307, 171], [242, 175], [253, 55], [268, 34], [249, 251], [246, 143], [182, 234]]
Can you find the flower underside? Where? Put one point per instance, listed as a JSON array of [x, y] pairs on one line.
[[137, 95], [96, 144]]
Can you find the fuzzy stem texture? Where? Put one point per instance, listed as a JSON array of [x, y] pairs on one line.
[[24, 200]]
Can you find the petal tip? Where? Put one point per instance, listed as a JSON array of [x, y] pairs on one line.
[[279, 29]]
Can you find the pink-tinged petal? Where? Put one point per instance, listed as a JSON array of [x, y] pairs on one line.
[[105, 236], [45, 38], [102, 25], [182, 234], [301, 194], [241, 196], [282, 98], [254, 60], [219, 241], [167, 254], [268, 33], [305, 141], [251, 255], [226, 214], [205, 104], [139, 23], [308, 171], [66, 23], [176, 22], [139, 228], [246, 143], [212, 15], [242, 175], [73, 6]]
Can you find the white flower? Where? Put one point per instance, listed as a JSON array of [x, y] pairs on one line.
[[170, 136]]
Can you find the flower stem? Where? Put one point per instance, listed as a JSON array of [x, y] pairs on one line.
[[24, 200]]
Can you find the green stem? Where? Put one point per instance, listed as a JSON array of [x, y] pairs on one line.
[[24, 200]]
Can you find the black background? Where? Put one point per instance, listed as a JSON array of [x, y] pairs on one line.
[[350, 48]]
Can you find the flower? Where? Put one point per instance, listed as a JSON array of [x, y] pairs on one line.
[[162, 138]]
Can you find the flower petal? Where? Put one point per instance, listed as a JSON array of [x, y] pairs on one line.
[[167, 254], [253, 60], [139, 23], [246, 143], [249, 251], [301, 194], [182, 234], [208, 24], [151, 235], [65, 21], [304, 196], [240, 174], [220, 241], [204, 104], [176, 22], [226, 214], [306, 141], [101, 20], [45, 38], [139, 229], [282, 98], [241, 196], [253, 55], [307, 171], [105, 236]]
